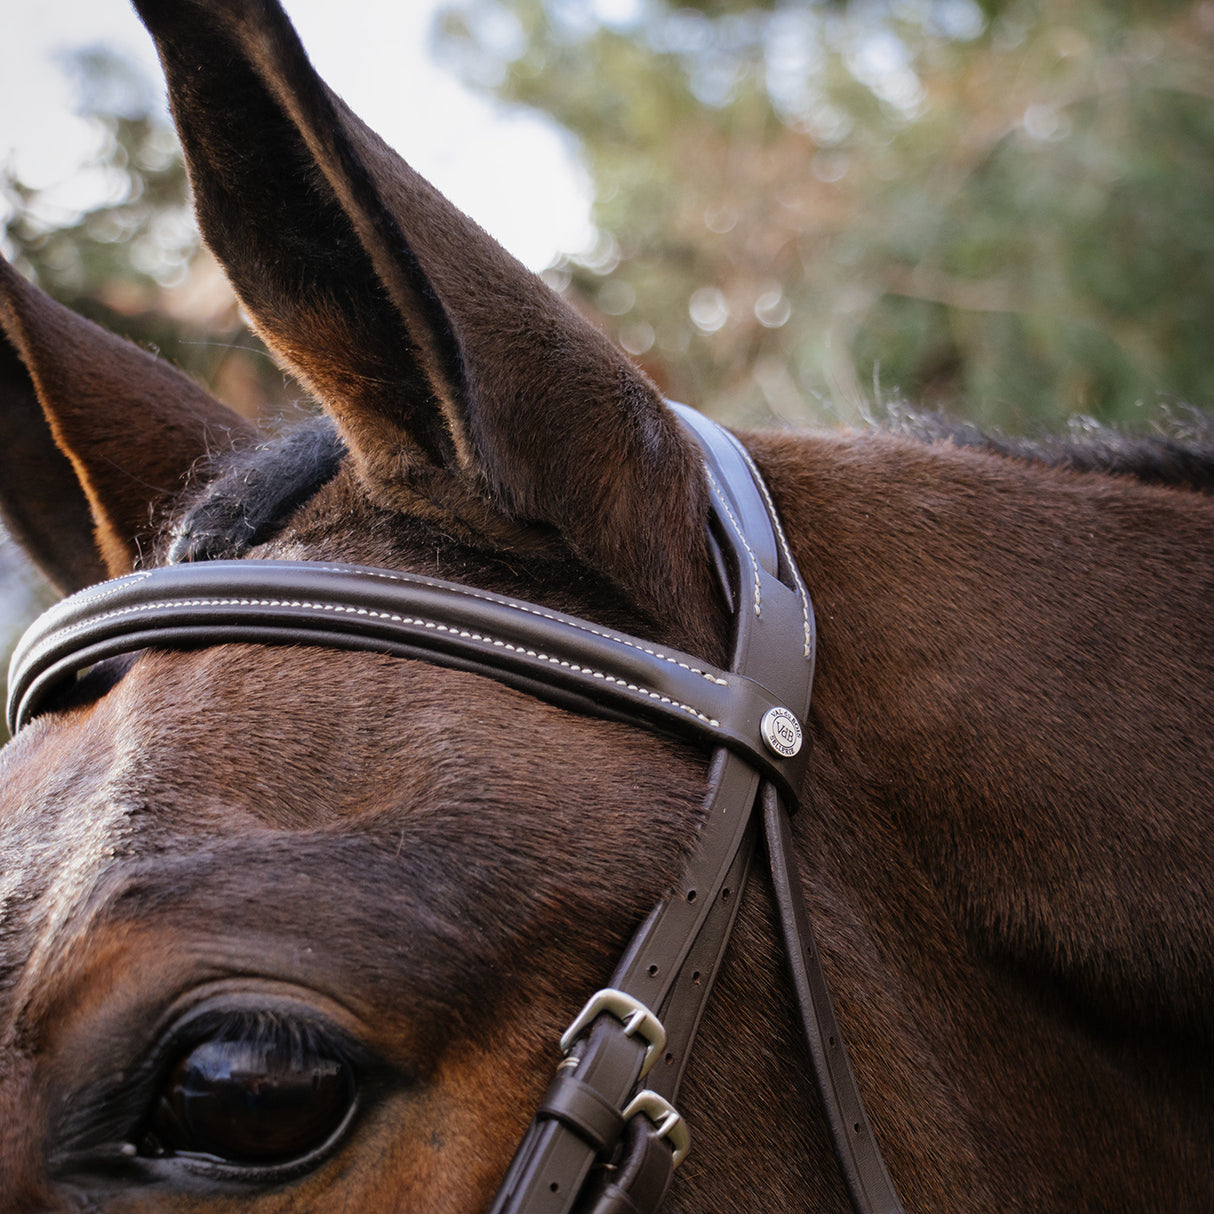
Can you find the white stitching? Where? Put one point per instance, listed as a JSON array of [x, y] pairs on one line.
[[774, 516], [411, 621], [754, 564], [569, 621], [105, 590]]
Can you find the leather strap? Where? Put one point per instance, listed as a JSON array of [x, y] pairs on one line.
[[584, 1109], [773, 643], [639, 1182], [546, 653], [864, 1172]]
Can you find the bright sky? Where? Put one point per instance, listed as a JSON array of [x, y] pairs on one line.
[[512, 172]]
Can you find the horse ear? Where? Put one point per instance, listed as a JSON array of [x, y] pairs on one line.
[[431, 347], [95, 437]]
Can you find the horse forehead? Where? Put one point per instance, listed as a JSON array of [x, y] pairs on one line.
[[195, 742], [247, 741], [61, 827], [198, 746]]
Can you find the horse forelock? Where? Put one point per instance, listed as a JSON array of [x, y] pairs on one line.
[[301, 496], [241, 499]]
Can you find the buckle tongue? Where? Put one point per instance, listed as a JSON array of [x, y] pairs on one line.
[[637, 1019]]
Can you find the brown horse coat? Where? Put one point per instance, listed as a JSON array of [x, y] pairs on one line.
[[1005, 830]]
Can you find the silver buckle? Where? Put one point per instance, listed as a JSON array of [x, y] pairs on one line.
[[637, 1019], [666, 1117]]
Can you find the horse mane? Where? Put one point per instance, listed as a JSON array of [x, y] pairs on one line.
[[244, 498], [1178, 453]]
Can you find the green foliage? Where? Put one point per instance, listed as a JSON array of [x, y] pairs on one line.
[[130, 258], [809, 209]]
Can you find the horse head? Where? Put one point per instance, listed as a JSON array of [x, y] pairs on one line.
[[399, 880]]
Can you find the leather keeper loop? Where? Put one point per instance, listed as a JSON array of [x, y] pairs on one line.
[[584, 1110], [640, 1182]]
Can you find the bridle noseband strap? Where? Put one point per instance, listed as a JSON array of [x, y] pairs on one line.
[[606, 1136]]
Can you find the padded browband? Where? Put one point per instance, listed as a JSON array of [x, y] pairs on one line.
[[554, 656]]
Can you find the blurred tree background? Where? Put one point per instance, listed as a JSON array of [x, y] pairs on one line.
[[131, 260], [809, 211]]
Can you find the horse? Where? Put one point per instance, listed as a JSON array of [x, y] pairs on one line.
[[390, 882]]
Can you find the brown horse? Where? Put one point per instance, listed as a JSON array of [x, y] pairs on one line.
[[407, 879]]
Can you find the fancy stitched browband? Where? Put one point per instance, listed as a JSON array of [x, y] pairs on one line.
[[606, 1136]]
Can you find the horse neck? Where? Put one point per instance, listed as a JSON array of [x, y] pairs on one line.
[[1002, 832], [1013, 666]]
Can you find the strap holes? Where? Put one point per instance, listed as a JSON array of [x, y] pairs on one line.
[[653, 971], [691, 895], [696, 977], [669, 1059], [832, 1041], [554, 1187], [856, 1127], [725, 894]]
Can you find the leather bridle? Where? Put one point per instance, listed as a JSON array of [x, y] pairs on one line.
[[606, 1137]]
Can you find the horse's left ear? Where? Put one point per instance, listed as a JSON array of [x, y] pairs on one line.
[[96, 436], [445, 363]]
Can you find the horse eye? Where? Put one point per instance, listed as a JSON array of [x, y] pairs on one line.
[[260, 1091]]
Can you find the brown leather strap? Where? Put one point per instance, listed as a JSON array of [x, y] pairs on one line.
[[684, 1005], [584, 1108], [864, 1171], [551, 655], [639, 1182], [773, 643]]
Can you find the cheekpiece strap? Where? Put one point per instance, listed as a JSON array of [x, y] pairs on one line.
[[662, 983]]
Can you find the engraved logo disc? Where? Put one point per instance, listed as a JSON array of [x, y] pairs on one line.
[[781, 731]]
